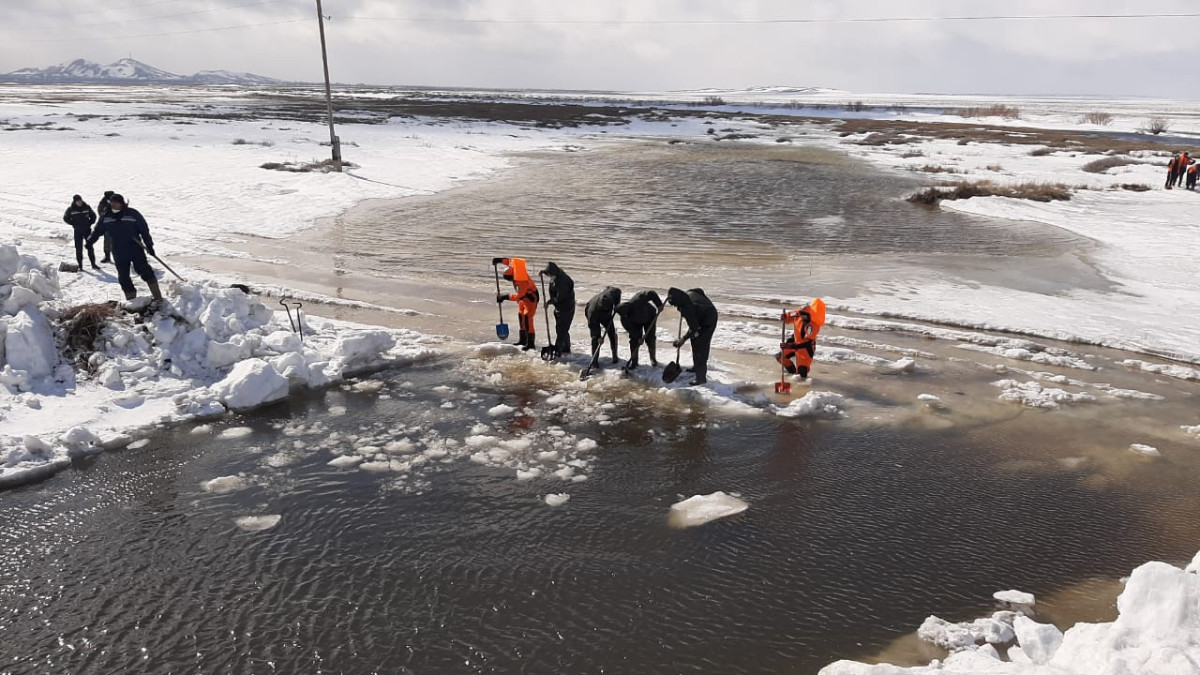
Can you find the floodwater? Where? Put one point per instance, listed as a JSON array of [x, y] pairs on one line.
[[853, 536], [420, 555]]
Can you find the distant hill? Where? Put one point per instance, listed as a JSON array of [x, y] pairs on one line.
[[126, 71]]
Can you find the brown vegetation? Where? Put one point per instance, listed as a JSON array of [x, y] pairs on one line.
[[1044, 141], [1155, 126], [80, 327], [1008, 112], [322, 166], [1096, 117], [1038, 192], [1104, 164]]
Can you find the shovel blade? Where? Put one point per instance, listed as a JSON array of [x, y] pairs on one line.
[[502, 331], [549, 353], [671, 372], [783, 387]]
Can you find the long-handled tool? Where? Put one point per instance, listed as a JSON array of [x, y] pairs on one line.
[[501, 328], [673, 369], [550, 351], [160, 261], [783, 386], [298, 324], [587, 372]]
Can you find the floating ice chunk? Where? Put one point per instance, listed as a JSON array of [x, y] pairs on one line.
[[1194, 566], [557, 499], [548, 456], [376, 466], [585, 445], [904, 365], [480, 441], [368, 386], [952, 636], [1147, 450], [336, 410], [501, 410], [480, 428], [529, 474], [201, 429], [235, 432], [565, 472], [400, 447], [517, 444], [257, 523], [1034, 395], [1015, 597], [345, 461], [1038, 640], [931, 402], [817, 404], [224, 484], [701, 509], [80, 440], [138, 445]]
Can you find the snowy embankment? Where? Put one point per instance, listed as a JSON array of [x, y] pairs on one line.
[[207, 350], [1157, 631]]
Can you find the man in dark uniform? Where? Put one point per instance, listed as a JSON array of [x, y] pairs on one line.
[[562, 299], [701, 318], [80, 217], [599, 312], [638, 317], [101, 209], [130, 243]]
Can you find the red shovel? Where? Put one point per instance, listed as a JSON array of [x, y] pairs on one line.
[[782, 386]]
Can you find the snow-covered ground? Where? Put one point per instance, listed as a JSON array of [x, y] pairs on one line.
[[198, 180]]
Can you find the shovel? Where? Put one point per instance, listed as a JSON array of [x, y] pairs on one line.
[[501, 328], [672, 371], [587, 372], [782, 386], [160, 261], [550, 351]]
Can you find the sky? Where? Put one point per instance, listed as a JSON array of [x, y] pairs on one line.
[[634, 45]]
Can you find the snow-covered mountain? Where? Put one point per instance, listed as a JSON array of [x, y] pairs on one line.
[[126, 71]]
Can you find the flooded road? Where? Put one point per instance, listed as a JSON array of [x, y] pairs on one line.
[[239, 547]]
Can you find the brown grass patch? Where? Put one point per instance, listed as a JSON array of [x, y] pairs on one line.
[[1008, 112], [1038, 192], [1041, 141], [1096, 117], [80, 327], [1135, 187], [323, 166], [1104, 164], [934, 168]]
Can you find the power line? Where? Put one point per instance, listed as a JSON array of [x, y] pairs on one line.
[[727, 22], [124, 36]]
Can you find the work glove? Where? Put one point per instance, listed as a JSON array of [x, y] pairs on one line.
[[678, 343], [151, 252], [497, 261], [501, 298]]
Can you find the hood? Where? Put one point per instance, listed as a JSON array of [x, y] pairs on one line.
[[517, 272], [552, 270], [677, 297]]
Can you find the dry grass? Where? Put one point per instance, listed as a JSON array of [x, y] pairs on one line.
[[1038, 192], [1096, 117], [1041, 152], [1008, 112], [1155, 126], [1104, 164], [80, 327], [909, 154], [934, 168], [322, 166], [1135, 187], [885, 138], [1042, 141]]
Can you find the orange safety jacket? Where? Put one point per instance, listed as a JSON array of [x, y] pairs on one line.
[[526, 294], [806, 325]]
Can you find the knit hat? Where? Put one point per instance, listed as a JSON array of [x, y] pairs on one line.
[[76, 198], [114, 197]]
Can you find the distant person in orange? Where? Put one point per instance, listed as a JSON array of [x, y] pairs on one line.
[[796, 355], [1181, 169], [526, 297]]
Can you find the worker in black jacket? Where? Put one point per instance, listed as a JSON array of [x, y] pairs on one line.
[[130, 243], [80, 216], [562, 299], [639, 315], [600, 311], [701, 318], [101, 209]]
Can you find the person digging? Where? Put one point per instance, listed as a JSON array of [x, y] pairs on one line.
[[130, 243]]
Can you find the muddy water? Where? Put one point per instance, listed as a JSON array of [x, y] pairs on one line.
[[853, 536], [858, 527]]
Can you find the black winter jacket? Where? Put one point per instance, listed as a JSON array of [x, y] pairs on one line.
[[600, 309], [562, 288], [125, 227], [80, 218]]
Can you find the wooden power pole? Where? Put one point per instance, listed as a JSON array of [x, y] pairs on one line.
[[334, 142]]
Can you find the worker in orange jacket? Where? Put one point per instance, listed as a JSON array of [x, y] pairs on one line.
[[796, 355], [525, 295]]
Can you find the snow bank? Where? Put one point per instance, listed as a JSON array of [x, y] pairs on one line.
[[818, 404], [208, 349], [701, 509], [1157, 631]]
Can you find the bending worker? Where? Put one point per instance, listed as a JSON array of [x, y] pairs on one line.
[[600, 311], [560, 296], [639, 315], [701, 318], [525, 295], [80, 216], [796, 356], [130, 243]]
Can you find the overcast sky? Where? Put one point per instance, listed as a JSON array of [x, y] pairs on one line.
[[632, 45]]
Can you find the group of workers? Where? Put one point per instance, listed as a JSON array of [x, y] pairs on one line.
[[1182, 169], [126, 239], [639, 316]]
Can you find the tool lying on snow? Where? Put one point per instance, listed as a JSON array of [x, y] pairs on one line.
[[501, 328], [587, 372], [298, 324], [550, 351], [672, 371]]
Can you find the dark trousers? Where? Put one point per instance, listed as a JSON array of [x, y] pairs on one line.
[[597, 330], [80, 238], [639, 334], [700, 347], [140, 265], [1191, 180], [562, 328]]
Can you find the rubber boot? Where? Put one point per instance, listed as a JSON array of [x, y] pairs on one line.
[[521, 338], [129, 295], [530, 337], [154, 291], [92, 258]]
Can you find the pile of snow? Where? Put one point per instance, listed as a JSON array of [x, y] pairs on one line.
[[1157, 631], [815, 404], [207, 350], [701, 509], [1034, 395]]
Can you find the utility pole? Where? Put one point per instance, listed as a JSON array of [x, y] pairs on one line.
[[333, 139]]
